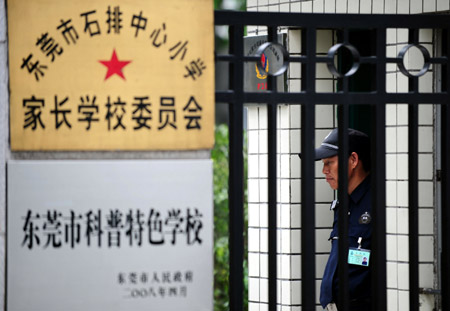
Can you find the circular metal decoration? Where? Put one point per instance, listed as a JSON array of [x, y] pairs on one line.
[[426, 59], [259, 52], [365, 219], [332, 53]]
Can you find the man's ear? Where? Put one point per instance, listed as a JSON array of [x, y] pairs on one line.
[[353, 160]]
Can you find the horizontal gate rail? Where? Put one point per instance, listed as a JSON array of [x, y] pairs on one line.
[[330, 21], [308, 98], [325, 98]]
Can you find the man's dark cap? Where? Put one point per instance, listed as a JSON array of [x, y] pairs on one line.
[[358, 142]]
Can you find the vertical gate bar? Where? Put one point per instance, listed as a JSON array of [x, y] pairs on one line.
[[445, 167], [413, 35], [272, 206], [413, 82], [445, 183], [413, 214], [272, 184], [308, 209], [343, 284], [236, 168], [345, 38], [378, 182], [308, 222], [345, 84], [413, 186], [345, 80]]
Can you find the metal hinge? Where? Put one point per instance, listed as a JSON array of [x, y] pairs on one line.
[[438, 175]]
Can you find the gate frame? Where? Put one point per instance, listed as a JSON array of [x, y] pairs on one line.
[[235, 97]]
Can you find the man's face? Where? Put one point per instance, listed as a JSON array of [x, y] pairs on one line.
[[330, 170]]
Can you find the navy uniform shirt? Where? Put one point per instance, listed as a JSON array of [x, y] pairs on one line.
[[359, 276]]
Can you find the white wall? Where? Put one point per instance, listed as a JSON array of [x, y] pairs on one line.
[[350, 6]]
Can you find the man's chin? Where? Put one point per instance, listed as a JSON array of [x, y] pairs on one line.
[[332, 185]]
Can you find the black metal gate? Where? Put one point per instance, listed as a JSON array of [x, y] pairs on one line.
[[376, 98]]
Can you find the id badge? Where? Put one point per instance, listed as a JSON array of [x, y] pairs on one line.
[[359, 256]]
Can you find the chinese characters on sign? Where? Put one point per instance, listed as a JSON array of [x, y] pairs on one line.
[[37, 65], [156, 284], [96, 78], [110, 235], [114, 228], [110, 114]]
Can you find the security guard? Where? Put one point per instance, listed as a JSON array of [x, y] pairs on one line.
[[359, 219]]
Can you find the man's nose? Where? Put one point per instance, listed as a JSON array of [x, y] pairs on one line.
[[324, 170]]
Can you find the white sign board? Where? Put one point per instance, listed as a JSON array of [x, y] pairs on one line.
[[110, 235]]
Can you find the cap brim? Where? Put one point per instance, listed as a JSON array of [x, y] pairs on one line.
[[323, 152]]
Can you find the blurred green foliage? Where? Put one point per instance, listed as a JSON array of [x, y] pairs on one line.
[[221, 37], [239, 5], [221, 254], [221, 217]]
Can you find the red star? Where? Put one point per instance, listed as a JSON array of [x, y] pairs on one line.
[[114, 66]]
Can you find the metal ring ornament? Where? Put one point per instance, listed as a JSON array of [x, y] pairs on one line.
[[332, 53], [261, 50], [426, 58]]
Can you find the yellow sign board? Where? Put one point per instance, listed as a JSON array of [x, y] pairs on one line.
[[111, 75]]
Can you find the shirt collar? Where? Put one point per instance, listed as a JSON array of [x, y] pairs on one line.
[[362, 188]]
